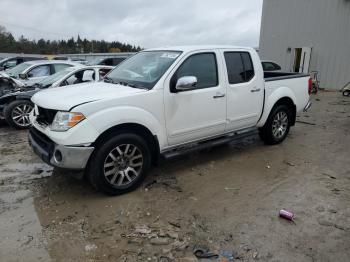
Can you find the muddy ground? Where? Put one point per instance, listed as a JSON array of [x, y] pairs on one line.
[[225, 199]]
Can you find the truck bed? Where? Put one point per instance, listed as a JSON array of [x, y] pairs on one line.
[[274, 76], [294, 84]]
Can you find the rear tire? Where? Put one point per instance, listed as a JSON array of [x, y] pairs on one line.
[[119, 164], [277, 125], [17, 114]]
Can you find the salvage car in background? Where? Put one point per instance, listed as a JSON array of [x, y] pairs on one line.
[[33, 71], [15, 106], [111, 61], [10, 62]]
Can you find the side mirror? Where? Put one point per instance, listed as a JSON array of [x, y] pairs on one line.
[[186, 83], [23, 76]]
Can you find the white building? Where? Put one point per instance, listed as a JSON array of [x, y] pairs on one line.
[[308, 35]]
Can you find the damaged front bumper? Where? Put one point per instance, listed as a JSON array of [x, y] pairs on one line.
[[65, 157]]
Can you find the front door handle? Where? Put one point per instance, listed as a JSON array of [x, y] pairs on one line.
[[255, 90], [219, 95]]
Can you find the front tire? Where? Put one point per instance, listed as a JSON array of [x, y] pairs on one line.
[[17, 114], [277, 125], [119, 164]]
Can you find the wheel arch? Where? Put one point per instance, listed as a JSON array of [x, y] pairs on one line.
[[134, 128], [283, 96], [288, 102]]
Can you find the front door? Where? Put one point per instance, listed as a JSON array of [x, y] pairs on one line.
[[245, 91], [201, 111]]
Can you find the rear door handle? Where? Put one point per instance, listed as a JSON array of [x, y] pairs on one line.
[[255, 90], [219, 95]]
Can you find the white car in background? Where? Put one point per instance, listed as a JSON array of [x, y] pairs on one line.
[[34, 71], [75, 75], [16, 106]]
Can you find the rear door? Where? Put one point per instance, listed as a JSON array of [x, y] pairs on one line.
[[199, 112], [245, 90]]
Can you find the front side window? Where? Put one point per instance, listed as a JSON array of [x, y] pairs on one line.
[[39, 71], [143, 70], [239, 67], [202, 66]]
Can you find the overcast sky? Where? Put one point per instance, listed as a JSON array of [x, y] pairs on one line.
[[147, 23]]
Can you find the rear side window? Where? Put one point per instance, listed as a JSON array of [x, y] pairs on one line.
[[239, 67], [203, 66], [60, 67], [39, 71], [248, 66]]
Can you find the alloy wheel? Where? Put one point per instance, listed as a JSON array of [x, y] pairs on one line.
[[123, 165], [280, 124], [20, 115]]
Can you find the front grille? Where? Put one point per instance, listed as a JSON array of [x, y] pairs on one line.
[[45, 116], [42, 140]]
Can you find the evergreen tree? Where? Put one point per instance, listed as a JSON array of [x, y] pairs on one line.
[[8, 44]]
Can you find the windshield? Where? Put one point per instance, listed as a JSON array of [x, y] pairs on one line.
[[14, 72], [55, 77], [143, 70]]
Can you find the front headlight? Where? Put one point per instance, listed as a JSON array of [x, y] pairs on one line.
[[66, 120]]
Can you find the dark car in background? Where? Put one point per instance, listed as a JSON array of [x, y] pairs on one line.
[[111, 61], [269, 66], [10, 62]]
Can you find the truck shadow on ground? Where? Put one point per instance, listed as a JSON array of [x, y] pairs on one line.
[[61, 183]]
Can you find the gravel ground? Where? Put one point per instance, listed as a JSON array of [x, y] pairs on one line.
[[227, 198]]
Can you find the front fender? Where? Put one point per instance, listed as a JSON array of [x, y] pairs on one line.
[[272, 98], [110, 117]]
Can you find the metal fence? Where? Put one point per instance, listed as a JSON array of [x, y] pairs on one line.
[[90, 57]]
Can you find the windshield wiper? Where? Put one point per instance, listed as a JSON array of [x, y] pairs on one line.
[[130, 85]]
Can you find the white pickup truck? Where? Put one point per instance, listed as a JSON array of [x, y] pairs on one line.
[[163, 102]]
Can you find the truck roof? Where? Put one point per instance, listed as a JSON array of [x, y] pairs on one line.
[[190, 48]]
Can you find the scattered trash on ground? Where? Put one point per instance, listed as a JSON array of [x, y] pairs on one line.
[[286, 214], [289, 163], [204, 252], [226, 256], [306, 123], [169, 182], [90, 247]]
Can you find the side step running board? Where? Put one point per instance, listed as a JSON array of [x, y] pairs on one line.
[[208, 144]]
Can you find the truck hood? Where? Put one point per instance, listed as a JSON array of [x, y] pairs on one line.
[[67, 97]]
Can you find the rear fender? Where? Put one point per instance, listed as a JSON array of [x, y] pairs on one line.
[[272, 99]]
